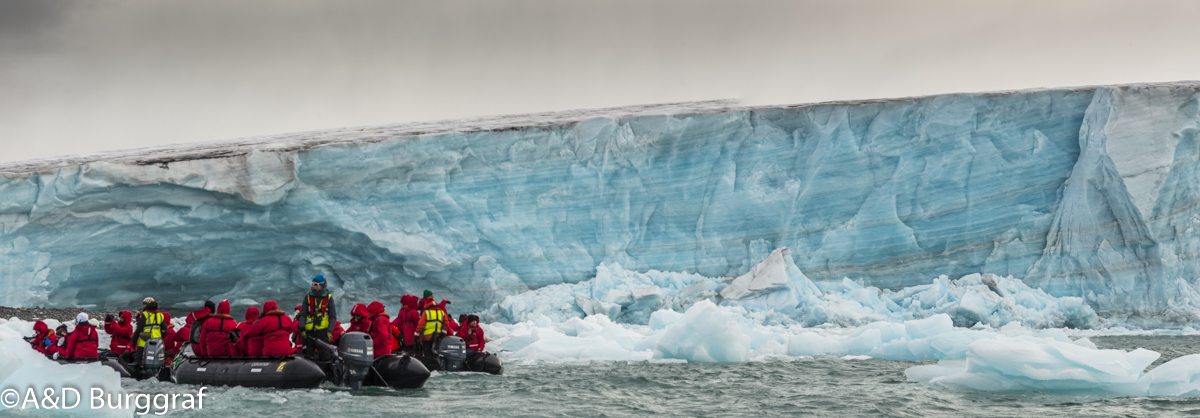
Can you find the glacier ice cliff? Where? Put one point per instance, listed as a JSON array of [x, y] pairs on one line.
[[1081, 192]]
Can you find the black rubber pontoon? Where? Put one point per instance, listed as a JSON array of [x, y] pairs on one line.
[[353, 366], [152, 362], [278, 372], [358, 365], [282, 373], [452, 356], [398, 371]]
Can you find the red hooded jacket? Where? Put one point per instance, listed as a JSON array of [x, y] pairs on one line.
[[168, 335], [43, 338], [83, 342], [406, 320], [381, 329], [197, 318], [183, 334], [214, 335], [473, 336], [337, 332], [242, 348], [270, 334], [60, 345], [363, 324], [121, 331]]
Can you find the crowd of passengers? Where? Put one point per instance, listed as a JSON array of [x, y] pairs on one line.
[[266, 332]]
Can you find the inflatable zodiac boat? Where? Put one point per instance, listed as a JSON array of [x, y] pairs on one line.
[[352, 364]]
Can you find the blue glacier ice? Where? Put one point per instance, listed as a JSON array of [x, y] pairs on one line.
[[1084, 193]]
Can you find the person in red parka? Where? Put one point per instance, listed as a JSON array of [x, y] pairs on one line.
[[43, 337], [215, 333], [196, 319], [168, 336], [359, 319], [381, 329], [472, 334], [337, 332], [242, 348], [183, 334], [462, 322], [121, 331], [428, 297], [451, 325], [406, 320], [270, 336], [84, 341], [59, 349]]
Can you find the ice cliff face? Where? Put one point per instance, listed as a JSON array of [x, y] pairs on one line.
[[1086, 192]]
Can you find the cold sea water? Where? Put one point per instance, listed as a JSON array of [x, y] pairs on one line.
[[821, 386]]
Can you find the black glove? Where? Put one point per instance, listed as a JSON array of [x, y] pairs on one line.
[[108, 318]]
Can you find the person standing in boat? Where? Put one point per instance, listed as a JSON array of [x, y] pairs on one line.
[[431, 325], [317, 315], [427, 296], [406, 321], [149, 326], [121, 332]]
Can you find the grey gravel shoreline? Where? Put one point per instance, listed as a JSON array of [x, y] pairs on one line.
[[60, 314]]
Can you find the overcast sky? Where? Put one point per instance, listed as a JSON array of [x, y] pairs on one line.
[[78, 76]]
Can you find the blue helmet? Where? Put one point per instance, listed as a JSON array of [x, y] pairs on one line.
[[320, 279]]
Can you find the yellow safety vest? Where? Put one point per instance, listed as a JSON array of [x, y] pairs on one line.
[[434, 319], [152, 323], [317, 306]]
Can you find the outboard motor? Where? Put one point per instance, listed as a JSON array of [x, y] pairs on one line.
[[153, 358], [356, 352], [454, 353]]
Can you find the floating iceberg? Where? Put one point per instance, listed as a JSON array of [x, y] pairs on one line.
[[1027, 363], [776, 287], [23, 369], [711, 333]]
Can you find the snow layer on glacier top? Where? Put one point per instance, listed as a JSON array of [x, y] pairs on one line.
[[299, 141]]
